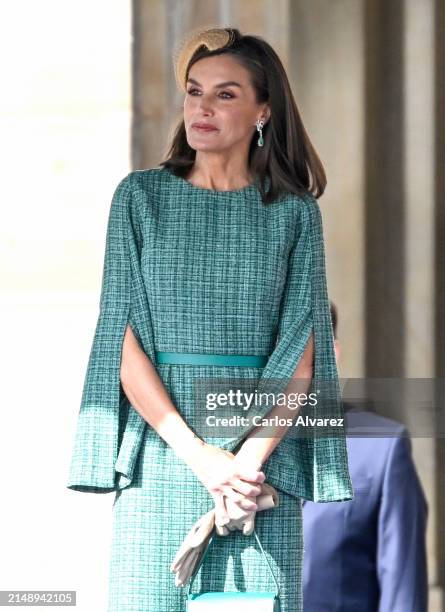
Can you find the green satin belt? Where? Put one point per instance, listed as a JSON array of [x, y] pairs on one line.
[[253, 361]]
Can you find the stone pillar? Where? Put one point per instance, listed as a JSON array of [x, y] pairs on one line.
[[384, 188], [419, 73], [439, 254], [327, 70]]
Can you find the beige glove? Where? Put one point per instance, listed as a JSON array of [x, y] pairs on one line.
[[244, 520], [196, 541], [192, 548]]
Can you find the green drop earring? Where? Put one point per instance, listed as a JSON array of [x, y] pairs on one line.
[[259, 127]]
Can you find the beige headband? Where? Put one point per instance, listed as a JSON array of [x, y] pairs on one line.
[[212, 38]]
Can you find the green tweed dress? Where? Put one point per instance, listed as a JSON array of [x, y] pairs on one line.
[[201, 271]]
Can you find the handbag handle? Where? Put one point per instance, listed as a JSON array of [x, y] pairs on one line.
[[277, 588]]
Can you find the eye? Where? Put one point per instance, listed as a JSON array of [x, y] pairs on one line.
[[193, 89]]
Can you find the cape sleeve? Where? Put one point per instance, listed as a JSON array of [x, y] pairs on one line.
[[310, 462], [109, 430], [305, 308]]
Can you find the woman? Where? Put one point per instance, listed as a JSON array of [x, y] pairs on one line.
[[214, 269]]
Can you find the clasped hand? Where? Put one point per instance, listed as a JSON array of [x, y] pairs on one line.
[[233, 482]]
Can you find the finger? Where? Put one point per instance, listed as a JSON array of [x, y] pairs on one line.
[[247, 489], [249, 525], [221, 530], [266, 501], [196, 535], [207, 522], [248, 473], [221, 515], [183, 551], [194, 559], [236, 512], [270, 496], [178, 561], [242, 502], [249, 504], [186, 570]]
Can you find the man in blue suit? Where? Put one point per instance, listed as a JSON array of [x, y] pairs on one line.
[[368, 554]]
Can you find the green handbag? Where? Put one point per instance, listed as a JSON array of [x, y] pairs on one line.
[[235, 601]]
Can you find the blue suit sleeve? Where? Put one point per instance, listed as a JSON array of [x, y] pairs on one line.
[[401, 554]]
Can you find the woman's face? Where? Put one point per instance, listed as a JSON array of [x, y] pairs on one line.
[[231, 109]]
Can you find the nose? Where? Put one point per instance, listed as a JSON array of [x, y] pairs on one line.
[[205, 104]]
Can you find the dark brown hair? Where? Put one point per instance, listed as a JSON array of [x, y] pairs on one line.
[[334, 317], [288, 159]]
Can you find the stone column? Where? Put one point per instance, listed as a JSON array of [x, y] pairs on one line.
[[439, 255], [419, 73], [326, 59]]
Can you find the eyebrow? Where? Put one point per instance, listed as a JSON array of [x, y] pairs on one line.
[[225, 84]]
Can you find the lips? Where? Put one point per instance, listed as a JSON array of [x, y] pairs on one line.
[[204, 127]]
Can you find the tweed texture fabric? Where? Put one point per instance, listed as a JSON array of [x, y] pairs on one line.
[[151, 518], [198, 270], [201, 271]]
